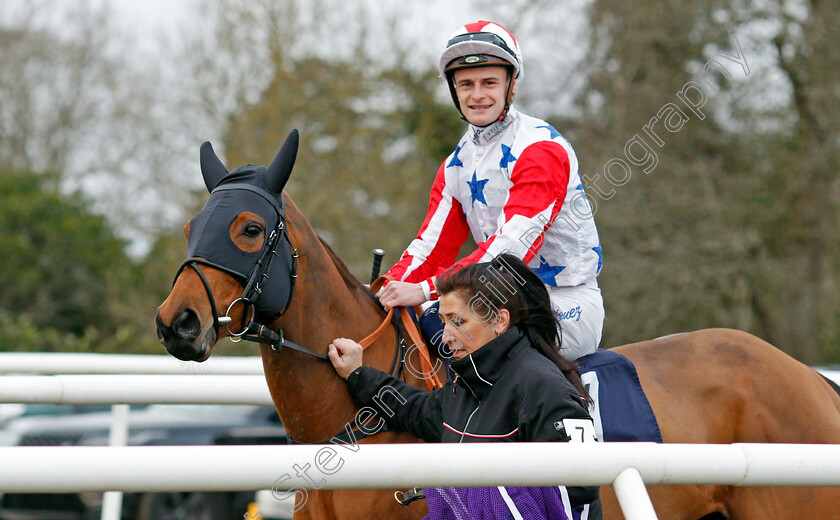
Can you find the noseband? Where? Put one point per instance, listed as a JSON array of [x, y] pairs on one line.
[[252, 283]]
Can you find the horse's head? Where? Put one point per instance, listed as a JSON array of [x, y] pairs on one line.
[[240, 265]]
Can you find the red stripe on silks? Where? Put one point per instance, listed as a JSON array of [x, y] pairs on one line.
[[540, 177], [444, 247], [435, 197], [476, 255], [474, 436], [452, 236], [399, 269]]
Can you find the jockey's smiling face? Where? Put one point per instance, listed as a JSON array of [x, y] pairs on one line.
[[481, 93], [467, 327]]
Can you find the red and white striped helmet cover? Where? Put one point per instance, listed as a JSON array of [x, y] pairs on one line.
[[470, 47]]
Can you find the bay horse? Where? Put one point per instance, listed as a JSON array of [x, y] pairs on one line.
[[708, 386]]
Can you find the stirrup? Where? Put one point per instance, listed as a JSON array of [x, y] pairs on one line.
[[404, 499]]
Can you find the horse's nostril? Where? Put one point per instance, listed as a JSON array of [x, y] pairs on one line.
[[186, 325]]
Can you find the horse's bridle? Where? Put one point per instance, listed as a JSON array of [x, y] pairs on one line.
[[253, 282]]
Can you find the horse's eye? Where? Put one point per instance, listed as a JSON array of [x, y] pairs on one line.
[[253, 230]]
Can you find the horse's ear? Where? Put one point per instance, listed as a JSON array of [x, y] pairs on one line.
[[280, 169], [212, 168]]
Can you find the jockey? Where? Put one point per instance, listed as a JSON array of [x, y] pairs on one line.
[[513, 183]]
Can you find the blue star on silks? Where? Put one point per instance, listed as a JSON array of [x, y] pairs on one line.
[[507, 157], [548, 272], [554, 132], [600, 254], [580, 188], [455, 161], [477, 189]]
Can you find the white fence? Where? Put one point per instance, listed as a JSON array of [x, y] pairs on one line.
[[387, 466], [87, 363], [88, 378], [134, 389], [216, 468], [625, 466]]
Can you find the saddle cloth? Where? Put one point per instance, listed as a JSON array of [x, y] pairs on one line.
[[621, 413]]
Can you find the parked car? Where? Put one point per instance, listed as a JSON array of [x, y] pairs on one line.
[[10, 411], [151, 425]]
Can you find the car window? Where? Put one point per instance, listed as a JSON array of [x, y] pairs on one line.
[[62, 409]]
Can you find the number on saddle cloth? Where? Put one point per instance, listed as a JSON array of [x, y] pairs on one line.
[[621, 411]]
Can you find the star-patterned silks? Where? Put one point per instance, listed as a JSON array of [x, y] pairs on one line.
[[507, 157], [580, 189], [477, 189], [455, 161], [552, 130], [548, 272], [600, 254]]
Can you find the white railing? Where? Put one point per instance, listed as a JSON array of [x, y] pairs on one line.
[[134, 389], [625, 466], [388, 466], [164, 379], [88, 363]]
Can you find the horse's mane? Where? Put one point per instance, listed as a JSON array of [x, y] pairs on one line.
[[350, 281]]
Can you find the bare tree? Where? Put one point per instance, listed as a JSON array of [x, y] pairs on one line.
[[75, 100]]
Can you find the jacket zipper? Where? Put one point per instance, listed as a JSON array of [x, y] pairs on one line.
[[468, 422], [454, 386]]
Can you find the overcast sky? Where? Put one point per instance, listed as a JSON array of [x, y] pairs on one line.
[[149, 32]]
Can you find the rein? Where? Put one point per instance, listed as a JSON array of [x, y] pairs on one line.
[[403, 325], [252, 289], [251, 330], [401, 320]]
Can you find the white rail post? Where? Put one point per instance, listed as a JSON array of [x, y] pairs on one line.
[[112, 500], [632, 496]]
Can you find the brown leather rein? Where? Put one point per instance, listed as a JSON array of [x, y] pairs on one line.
[[427, 371]]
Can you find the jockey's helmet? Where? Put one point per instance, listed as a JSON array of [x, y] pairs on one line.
[[481, 44]]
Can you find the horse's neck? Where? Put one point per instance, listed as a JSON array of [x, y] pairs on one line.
[[312, 399]]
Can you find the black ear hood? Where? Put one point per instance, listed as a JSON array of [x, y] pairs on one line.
[[278, 172], [276, 175], [259, 190]]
